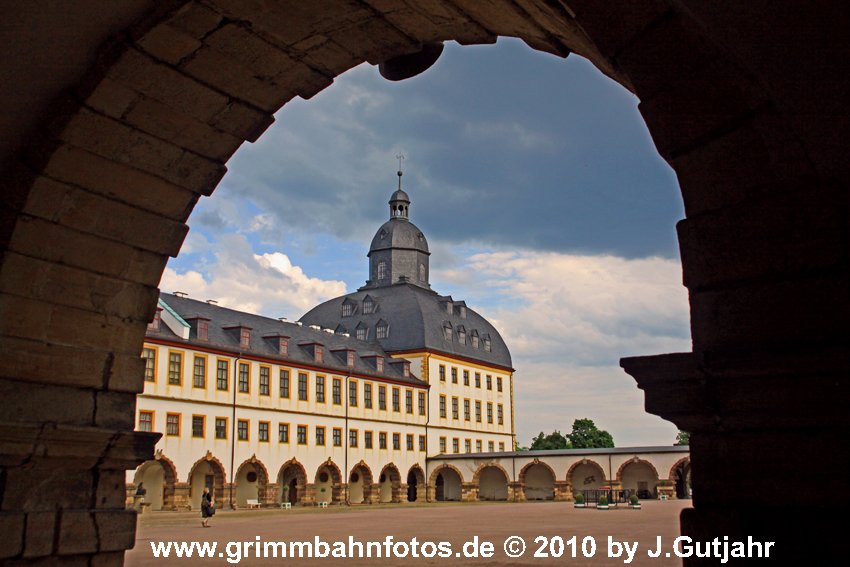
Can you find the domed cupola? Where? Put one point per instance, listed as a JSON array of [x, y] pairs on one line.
[[399, 251]]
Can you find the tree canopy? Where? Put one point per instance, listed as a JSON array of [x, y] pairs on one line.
[[586, 435], [683, 438], [552, 441]]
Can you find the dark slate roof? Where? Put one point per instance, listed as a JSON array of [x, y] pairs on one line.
[[416, 319], [399, 233], [568, 452], [299, 337]]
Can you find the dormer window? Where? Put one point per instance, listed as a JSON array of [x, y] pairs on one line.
[[447, 331], [462, 311], [245, 337], [361, 332], [349, 359], [449, 307], [368, 305], [156, 323], [475, 339], [203, 330], [340, 330], [319, 353], [487, 343], [379, 363], [347, 308], [382, 330], [461, 335], [279, 343]]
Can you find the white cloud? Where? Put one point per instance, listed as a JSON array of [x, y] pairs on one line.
[[267, 284], [512, 133], [567, 320]]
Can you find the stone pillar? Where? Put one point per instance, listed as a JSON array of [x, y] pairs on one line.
[[374, 493], [469, 492], [309, 494], [431, 493], [516, 491], [422, 492], [182, 496], [272, 495], [562, 491], [666, 487]]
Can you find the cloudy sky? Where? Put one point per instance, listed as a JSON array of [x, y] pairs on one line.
[[537, 185]]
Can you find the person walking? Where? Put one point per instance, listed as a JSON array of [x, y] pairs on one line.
[[207, 507]]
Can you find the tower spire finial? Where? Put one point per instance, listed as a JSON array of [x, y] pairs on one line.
[[400, 158]]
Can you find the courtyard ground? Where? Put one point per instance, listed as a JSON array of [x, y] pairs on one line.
[[448, 522]]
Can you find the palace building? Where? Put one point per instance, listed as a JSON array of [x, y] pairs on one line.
[[345, 405]]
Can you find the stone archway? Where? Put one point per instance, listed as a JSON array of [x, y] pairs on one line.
[[639, 477], [252, 481], [159, 477], [327, 484], [416, 487], [360, 484], [389, 484], [747, 107], [585, 474], [447, 483], [680, 478], [492, 482], [206, 472], [292, 479], [538, 481]]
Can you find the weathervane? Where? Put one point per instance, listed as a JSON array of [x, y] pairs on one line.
[[400, 158]]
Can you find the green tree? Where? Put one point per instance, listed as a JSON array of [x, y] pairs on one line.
[[552, 441], [586, 435], [683, 438]]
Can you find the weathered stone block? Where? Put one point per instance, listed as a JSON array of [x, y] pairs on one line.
[[12, 528], [40, 533], [115, 410], [77, 533], [25, 401], [116, 529]]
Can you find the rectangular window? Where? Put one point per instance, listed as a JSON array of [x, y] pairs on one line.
[[409, 441], [242, 429], [319, 353], [408, 401], [498, 383], [421, 442], [199, 372], [478, 445], [203, 330], [382, 398], [337, 433], [284, 383], [467, 446], [320, 389], [502, 447], [244, 377], [478, 411], [352, 438], [302, 387], [337, 391], [149, 354], [367, 395], [466, 410], [379, 363], [442, 444], [301, 434], [489, 412], [396, 441], [197, 426], [221, 373], [454, 375], [245, 337], [146, 421], [500, 414], [382, 440], [367, 439], [489, 382], [283, 433], [466, 377], [490, 446], [455, 408], [263, 432], [396, 399], [175, 368], [421, 403], [442, 406], [265, 371], [442, 373], [172, 424], [221, 428], [320, 436], [455, 445], [477, 379], [352, 393]]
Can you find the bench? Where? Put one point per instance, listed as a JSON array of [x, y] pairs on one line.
[[323, 504], [253, 503], [286, 505]]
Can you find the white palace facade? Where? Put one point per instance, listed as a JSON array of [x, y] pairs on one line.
[[391, 393]]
